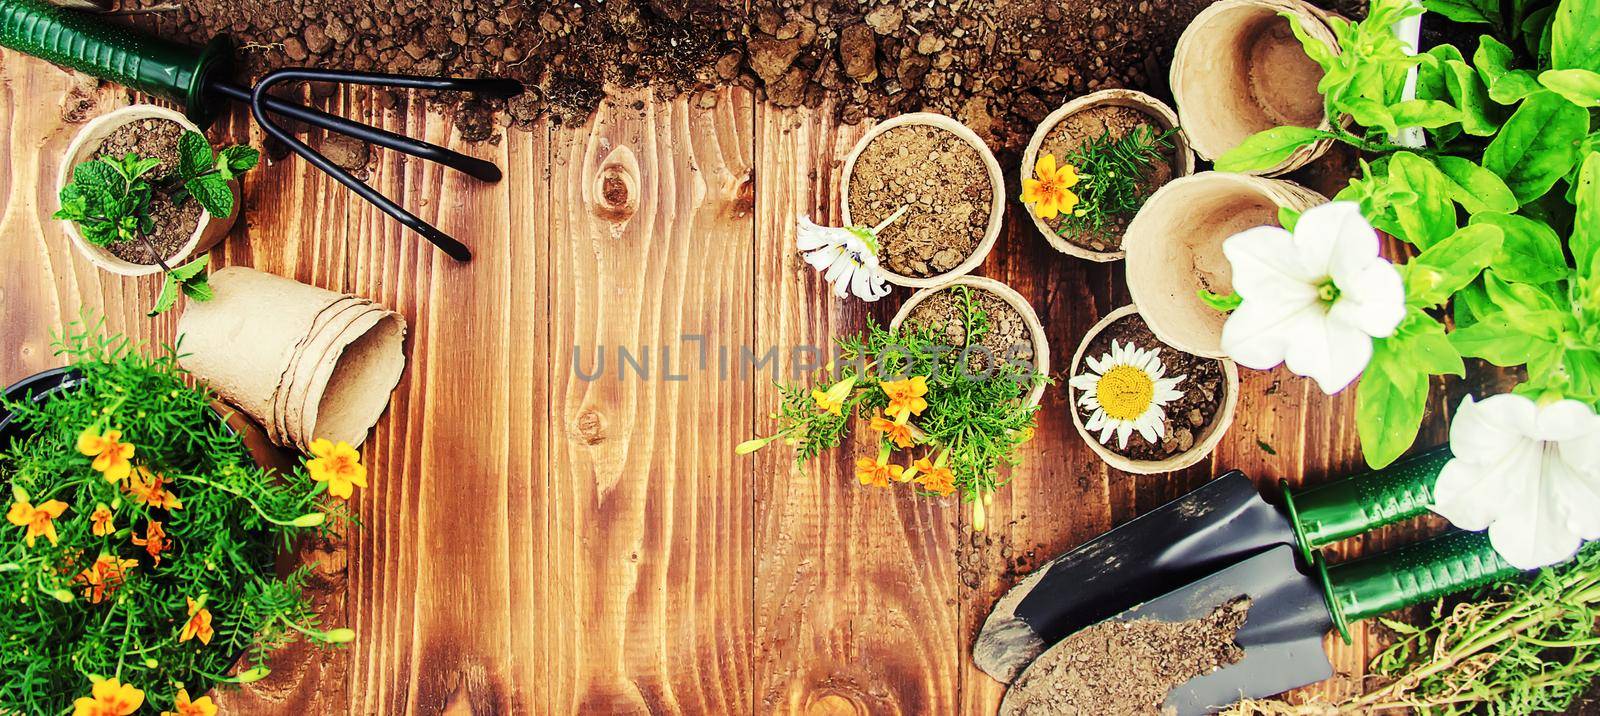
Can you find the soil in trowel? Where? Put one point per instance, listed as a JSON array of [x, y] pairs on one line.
[[1005, 336], [1079, 128], [1118, 667], [942, 183], [174, 223], [1188, 417]]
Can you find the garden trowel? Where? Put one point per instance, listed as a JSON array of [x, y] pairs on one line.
[[1219, 524], [1290, 611]]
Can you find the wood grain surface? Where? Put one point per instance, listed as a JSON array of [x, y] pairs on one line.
[[548, 531]]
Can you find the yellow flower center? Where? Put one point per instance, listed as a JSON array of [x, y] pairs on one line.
[[1125, 392]]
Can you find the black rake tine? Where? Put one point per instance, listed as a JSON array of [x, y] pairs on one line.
[[469, 165], [453, 248]]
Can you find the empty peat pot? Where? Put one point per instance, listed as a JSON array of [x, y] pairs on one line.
[[1193, 423], [1087, 118], [208, 230], [1009, 297], [950, 184], [1238, 69], [1174, 250]]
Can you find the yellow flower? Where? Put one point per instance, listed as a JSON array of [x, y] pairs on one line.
[[198, 707], [905, 397], [1051, 192], [339, 465], [102, 520], [199, 624], [154, 540], [147, 487], [935, 477], [1024, 435], [38, 520], [877, 473], [112, 457], [102, 578], [111, 698], [832, 399], [897, 432]]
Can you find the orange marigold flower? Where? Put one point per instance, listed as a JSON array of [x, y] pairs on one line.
[[39, 520], [198, 707], [339, 465], [102, 520], [112, 457], [199, 624], [102, 578], [149, 489], [935, 478], [110, 698], [877, 473], [897, 432], [154, 541], [905, 397], [1050, 189]]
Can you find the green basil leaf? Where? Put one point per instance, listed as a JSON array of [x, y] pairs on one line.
[[1530, 252], [1432, 216], [239, 159], [213, 193], [1471, 95], [1580, 87], [1446, 267], [1514, 87], [1267, 149], [1390, 401], [194, 155], [1369, 113], [1468, 11], [1537, 145], [1586, 220], [1424, 113], [99, 175], [198, 288], [1495, 340], [167, 298], [1575, 35], [1288, 217], [1525, 307], [1475, 188], [191, 269]]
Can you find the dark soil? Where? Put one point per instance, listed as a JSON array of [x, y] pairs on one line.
[[1079, 128], [945, 185], [1128, 668], [999, 67], [1006, 338], [174, 224], [1187, 417]]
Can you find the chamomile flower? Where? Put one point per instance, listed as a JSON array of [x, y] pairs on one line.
[[1126, 390], [847, 257]]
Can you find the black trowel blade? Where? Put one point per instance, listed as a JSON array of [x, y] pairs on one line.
[[1281, 636], [1219, 524]]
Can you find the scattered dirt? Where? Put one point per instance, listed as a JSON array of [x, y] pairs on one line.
[[1079, 128], [999, 67], [1007, 336], [174, 224], [1188, 417], [945, 186], [1120, 667]]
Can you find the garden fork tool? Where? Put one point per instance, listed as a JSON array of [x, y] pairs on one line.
[[197, 78], [1222, 523]]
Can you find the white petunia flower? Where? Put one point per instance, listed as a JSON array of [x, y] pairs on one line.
[[847, 257], [1530, 474], [1314, 299], [1126, 389]]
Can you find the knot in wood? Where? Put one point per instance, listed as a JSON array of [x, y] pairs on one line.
[[616, 190], [591, 427]]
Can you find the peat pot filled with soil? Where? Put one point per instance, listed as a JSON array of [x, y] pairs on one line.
[[1011, 330], [1122, 145], [1144, 406], [180, 228], [1174, 250], [948, 182], [1238, 69]]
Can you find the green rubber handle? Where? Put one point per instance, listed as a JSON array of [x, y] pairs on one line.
[[116, 53], [1355, 505], [1453, 562]]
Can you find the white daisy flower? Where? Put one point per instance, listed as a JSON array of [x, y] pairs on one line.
[[847, 257], [1126, 389]]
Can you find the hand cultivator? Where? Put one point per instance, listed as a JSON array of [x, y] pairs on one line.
[[198, 80]]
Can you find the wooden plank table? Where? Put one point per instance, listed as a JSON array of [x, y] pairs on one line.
[[540, 540]]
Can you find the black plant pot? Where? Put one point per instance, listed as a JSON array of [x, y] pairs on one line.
[[38, 387]]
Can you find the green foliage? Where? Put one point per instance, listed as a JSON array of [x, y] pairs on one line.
[[1502, 205], [1112, 172], [109, 199], [976, 404], [234, 519]]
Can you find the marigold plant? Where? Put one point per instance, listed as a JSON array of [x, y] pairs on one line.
[[137, 563]]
